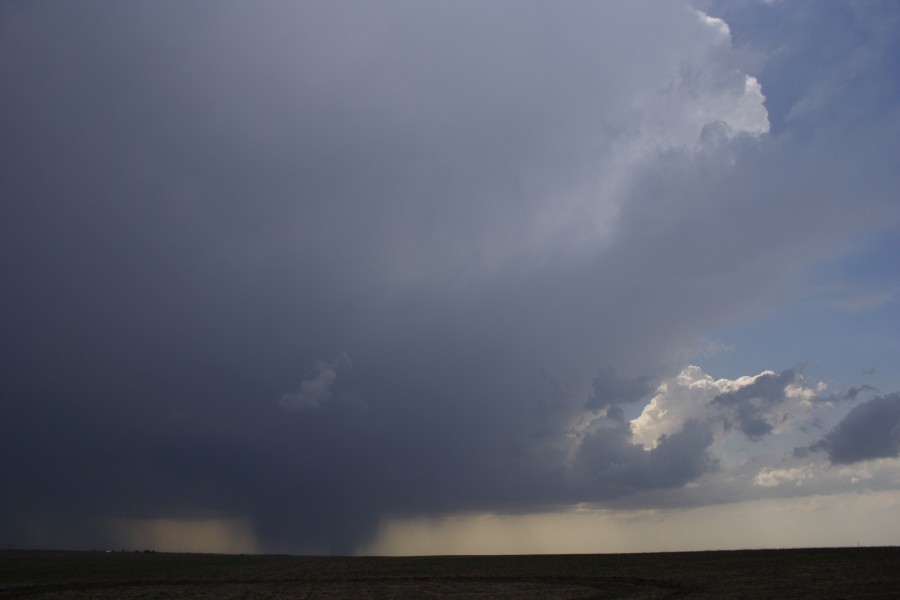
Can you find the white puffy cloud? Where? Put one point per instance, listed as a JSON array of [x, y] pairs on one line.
[[768, 403], [686, 396]]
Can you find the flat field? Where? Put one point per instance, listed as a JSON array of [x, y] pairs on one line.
[[808, 573]]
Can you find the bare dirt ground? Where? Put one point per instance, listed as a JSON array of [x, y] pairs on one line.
[[811, 573]]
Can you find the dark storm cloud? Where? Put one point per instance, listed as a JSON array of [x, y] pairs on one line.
[[870, 430], [855, 391], [210, 209], [614, 466], [610, 390]]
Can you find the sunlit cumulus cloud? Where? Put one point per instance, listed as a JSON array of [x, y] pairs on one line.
[[313, 277], [756, 406]]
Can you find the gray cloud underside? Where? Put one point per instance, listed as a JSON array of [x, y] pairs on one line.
[[870, 430], [204, 205]]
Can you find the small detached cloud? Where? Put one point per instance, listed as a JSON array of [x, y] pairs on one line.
[[796, 476], [317, 389], [851, 394], [871, 430], [863, 302]]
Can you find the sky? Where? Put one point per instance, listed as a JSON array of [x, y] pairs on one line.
[[407, 277]]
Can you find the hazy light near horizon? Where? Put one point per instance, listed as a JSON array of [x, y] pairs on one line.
[[212, 535], [812, 521]]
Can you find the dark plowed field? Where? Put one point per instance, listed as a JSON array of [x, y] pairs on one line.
[[814, 573]]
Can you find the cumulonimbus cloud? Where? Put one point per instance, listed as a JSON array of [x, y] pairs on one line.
[[485, 205]]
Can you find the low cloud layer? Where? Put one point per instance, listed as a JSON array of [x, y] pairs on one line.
[[521, 221]]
